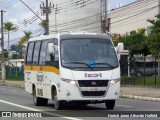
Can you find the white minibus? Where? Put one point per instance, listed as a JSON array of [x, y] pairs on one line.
[[77, 68]]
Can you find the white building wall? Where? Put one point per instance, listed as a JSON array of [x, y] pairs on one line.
[[133, 16], [0, 44], [75, 16], [17, 62]]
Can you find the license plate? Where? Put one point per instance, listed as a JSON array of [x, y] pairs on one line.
[[93, 89]]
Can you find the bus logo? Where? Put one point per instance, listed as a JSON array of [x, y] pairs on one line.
[[93, 83], [92, 75]]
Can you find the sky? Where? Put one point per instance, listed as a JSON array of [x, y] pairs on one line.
[[25, 20]]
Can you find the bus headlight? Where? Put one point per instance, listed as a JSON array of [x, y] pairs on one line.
[[112, 82], [73, 82]]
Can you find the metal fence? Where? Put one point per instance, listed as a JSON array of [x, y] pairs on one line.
[[140, 72], [14, 73]]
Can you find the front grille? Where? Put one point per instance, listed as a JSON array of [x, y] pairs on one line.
[[93, 93], [93, 83]]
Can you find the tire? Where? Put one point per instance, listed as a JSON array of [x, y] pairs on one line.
[[44, 101], [139, 73], [57, 104], [39, 101], [110, 104]]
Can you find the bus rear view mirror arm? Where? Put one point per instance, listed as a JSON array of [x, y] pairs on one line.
[[120, 50], [51, 47]]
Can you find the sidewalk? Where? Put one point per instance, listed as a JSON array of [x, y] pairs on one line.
[[130, 92], [140, 93], [19, 84]]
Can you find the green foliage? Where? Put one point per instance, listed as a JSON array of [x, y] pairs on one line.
[[5, 55], [136, 43], [15, 56], [154, 38], [9, 26], [43, 24], [25, 38]]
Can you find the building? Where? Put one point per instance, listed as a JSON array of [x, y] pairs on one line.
[[134, 16], [75, 16], [0, 44], [17, 62]]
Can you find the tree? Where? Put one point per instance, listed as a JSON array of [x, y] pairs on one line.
[[25, 38], [15, 56], [43, 25], [9, 26], [14, 48], [136, 43], [154, 38]]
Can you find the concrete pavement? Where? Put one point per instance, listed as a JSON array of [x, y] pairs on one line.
[[130, 92], [140, 93]]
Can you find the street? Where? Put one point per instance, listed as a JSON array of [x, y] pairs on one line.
[[16, 99]]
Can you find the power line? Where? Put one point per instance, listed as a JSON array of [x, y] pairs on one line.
[[73, 7], [146, 10], [84, 19], [31, 9], [118, 12]]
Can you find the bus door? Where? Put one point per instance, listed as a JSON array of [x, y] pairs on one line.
[[41, 77], [38, 74], [52, 67]]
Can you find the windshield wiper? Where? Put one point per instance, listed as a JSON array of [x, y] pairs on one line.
[[77, 62], [111, 66]]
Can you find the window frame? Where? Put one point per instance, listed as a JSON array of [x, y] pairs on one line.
[[26, 62], [39, 48], [45, 53]]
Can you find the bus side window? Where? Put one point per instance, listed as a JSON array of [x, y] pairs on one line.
[[29, 53], [36, 53], [42, 59], [52, 58]]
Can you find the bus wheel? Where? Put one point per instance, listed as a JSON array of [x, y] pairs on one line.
[[37, 100], [44, 101], [110, 104], [57, 104]]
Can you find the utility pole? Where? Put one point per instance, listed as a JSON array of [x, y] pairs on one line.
[[103, 15], [47, 18], [56, 19], [46, 10], [2, 47]]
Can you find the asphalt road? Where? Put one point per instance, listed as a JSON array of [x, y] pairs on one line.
[[16, 99]]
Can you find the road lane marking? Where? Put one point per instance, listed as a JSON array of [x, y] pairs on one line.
[[21, 106], [33, 109], [124, 106]]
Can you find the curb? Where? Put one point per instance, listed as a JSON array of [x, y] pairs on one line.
[[140, 98], [13, 85]]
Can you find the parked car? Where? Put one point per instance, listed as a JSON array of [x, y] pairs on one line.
[[149, 71]]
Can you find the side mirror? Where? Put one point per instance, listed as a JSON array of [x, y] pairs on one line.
[[51, 48], [120, 50], [120, 47]]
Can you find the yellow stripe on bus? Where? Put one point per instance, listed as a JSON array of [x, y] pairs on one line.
[[27, 67], [42, 68]]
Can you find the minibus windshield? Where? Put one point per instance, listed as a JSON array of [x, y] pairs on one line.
[[88, 53]]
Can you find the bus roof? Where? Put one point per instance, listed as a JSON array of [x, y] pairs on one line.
[[70, 35]]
